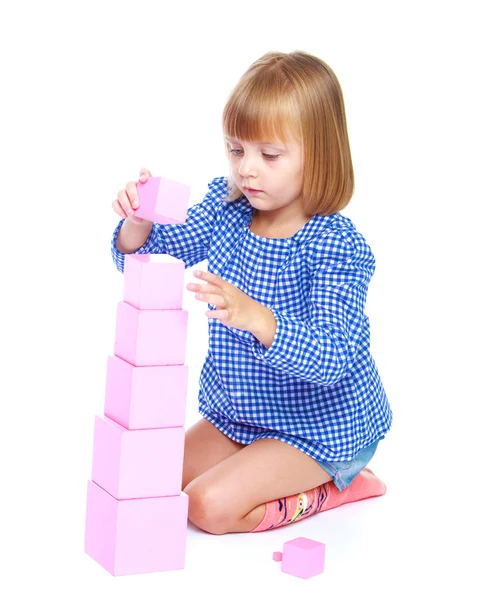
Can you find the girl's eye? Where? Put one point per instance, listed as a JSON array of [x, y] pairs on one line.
[[237, 151]]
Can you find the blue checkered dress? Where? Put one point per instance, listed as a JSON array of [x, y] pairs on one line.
[[317, 386]]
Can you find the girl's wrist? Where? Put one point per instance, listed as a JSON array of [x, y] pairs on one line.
[[264, 326], [133, 235]]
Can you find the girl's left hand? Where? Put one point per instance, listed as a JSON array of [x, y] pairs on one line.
[[233, 307]]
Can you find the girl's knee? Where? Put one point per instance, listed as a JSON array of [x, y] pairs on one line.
[[206, 509], [188, 477]]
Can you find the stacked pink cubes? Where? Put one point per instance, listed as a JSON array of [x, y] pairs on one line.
[[136, 516]]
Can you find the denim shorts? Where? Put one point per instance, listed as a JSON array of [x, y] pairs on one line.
[[344, 472]]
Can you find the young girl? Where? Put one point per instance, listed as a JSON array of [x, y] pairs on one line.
[[292, 404]]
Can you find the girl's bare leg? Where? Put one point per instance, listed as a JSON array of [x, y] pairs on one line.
[[204, 447], [230, 496]]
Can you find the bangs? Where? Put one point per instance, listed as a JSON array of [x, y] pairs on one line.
[[261, 112]]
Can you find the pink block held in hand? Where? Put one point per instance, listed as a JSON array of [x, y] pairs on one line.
[[162, 200]]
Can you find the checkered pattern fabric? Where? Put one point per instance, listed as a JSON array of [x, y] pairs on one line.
[[316, 387]]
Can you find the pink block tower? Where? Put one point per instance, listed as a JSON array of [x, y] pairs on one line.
[[136, 514]]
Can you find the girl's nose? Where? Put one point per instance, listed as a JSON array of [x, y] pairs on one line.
[[247, 167]]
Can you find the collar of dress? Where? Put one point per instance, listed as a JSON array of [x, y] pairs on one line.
[[315, 225]]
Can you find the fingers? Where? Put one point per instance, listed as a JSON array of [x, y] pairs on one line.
[[144, 175], [207, 276], [118, 209], [132, 194], [218, 301], [217, 314], [123, 207], [127, 200], [208, 292], [205, 288]]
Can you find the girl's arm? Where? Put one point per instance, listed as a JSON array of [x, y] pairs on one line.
[[322, 348], [132, 236], [188, 241]]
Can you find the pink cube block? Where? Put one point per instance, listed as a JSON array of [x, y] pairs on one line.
[[145, 397], [128, 537], [138, 463], [303, 557], [150, 337], [162, 200], [153, 281], [277, 556]]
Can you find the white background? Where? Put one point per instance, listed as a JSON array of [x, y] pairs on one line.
[[92, 91]]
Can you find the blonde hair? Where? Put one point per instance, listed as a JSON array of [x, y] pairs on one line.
[[296, 94]]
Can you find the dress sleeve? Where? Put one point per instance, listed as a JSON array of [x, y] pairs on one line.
[[322, 347], [188, 241]]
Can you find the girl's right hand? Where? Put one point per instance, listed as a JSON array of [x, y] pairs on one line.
[[127, 201]]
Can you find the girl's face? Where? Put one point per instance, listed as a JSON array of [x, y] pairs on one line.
[[269, 174]]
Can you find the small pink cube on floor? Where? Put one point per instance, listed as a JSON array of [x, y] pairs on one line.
[[127, 537], [150, 337], [139, 463], [163, 201], [277, 556], [145, 397], [153, 281], [303, 557]]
